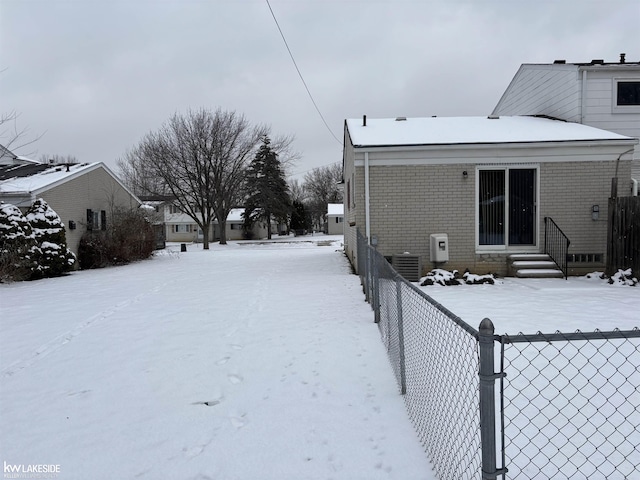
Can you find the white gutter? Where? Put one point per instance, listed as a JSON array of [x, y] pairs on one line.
[[634, 187], [367, 222]]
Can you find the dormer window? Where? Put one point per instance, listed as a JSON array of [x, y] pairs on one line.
[[628, 93]]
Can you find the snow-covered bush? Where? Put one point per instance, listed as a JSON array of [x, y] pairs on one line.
[[438, 276], [621, 277], [55, 258], [129, 237], [19, 251]]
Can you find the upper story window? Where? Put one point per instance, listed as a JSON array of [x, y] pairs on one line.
[[628, 93]]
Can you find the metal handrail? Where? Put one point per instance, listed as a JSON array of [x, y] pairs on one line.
[[556, 245]]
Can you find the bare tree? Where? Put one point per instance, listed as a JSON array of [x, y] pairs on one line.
[[296, 191], [55, 158], [282, 145], [200, 158], [322, 186], [11, 136]]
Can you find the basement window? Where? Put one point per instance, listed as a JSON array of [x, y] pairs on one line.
[[585, 257]]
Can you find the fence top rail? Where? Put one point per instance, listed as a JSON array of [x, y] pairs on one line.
[[563, 337], [456, 319]]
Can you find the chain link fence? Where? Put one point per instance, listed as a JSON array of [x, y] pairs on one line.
[[572, 405], [434, 356], [568, 404]]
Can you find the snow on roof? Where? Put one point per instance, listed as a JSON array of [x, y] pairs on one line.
[[235, 215], [470, 130], [45, 178], [335, 209]]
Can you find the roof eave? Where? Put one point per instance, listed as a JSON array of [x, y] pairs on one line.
[[467, 145]]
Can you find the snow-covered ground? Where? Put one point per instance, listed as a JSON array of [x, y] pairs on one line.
[[248, 361], [530, 305], [254, 360]]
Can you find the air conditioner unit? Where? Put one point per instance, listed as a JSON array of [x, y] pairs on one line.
[[439, 251], [408, 266]]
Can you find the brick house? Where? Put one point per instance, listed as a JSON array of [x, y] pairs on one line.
[[486, 182]]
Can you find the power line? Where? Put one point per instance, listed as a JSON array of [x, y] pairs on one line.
[[300, 74]]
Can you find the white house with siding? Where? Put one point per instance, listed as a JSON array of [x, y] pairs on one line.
[[335, 219], [83, 195], [601, 94]]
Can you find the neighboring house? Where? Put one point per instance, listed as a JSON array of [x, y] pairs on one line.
[[180, 227], [83, 195], [7, 157], [485, 182], [335, 219], [600, 94], [235, 221]]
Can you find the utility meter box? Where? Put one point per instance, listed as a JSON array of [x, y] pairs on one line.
[[439, 247]]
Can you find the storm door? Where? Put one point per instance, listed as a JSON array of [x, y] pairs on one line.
[[507, 207]]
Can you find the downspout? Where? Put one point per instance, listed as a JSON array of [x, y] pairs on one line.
[[614, 180], [583, 96], [634, 187], [367, 221]]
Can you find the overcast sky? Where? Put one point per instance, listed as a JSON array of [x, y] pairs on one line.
[[93, 76]]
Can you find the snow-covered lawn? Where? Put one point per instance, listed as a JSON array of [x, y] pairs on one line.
[[546, 305], [250, 361]]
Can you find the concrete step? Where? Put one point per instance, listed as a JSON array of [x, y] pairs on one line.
[[522, 264], [533, 265], [528, 256], [539, 273]]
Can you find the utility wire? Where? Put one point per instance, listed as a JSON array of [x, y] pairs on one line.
[[300, 74]]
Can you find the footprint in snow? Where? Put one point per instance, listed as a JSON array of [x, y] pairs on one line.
[[235, 379], [238, 421]]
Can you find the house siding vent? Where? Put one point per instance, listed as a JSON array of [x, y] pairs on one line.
[[408, 266]]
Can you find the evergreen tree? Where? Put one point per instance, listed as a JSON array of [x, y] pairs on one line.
[[49, 233], [19, 252], [267, 189], [300, 219]]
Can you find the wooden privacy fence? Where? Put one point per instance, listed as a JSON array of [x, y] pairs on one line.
[[623, 247]]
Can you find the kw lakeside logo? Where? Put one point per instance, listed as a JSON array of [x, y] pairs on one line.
[[30, 471]]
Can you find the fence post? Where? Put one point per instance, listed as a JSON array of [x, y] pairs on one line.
[[368, 275], [403, 377], [487, 400], [376, 286]]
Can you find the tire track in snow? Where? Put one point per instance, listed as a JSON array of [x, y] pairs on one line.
[[61, 340]]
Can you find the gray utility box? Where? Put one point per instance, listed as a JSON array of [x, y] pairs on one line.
[[439, 247], [408, 266]]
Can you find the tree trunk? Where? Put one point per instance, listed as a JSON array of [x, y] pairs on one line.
[[205, 236], [268, 226], [223, 231]]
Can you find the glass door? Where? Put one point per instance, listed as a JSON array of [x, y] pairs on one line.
[[507, 207]]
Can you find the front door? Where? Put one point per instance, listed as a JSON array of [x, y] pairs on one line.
[[507, 207]]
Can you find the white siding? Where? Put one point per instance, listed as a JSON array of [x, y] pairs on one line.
[[552, 90], [599, 103]]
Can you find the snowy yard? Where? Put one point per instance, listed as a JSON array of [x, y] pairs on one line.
[[249, 361], [530, 305]]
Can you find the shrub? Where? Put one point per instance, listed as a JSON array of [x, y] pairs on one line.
[[19, 251], [55, 258], [130, 237]]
